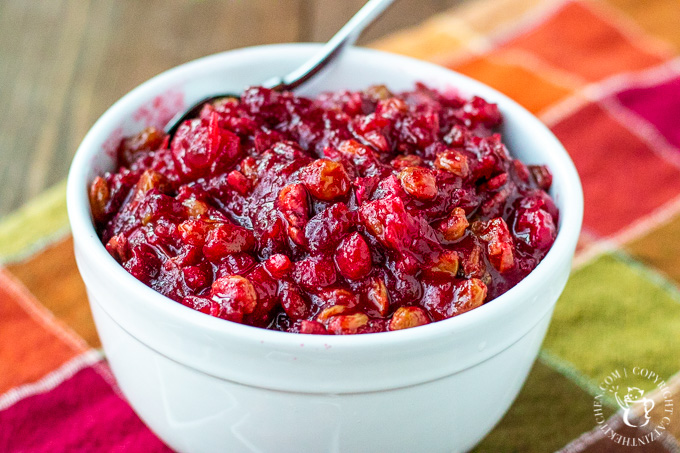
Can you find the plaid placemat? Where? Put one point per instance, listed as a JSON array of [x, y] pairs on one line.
[[605, 77]]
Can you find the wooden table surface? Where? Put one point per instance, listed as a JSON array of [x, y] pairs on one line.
[[64, 62]]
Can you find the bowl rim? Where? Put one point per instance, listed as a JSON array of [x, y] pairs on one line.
[[83, 231]]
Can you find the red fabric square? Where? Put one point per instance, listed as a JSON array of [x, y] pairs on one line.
[[623, 179]]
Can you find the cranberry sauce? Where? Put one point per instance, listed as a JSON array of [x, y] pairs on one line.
[[353, 212]]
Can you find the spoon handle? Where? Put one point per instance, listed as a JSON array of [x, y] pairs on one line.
[[345, 37]]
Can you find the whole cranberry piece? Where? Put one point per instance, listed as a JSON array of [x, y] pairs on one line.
[[353, 257], [314, 273], [535, 227], [198, 148], [197, 277], [203, 304], [278, 265], [292, 302]]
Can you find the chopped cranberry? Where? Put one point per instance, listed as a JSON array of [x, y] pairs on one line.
[[326, 179], [197, 277], [377, 296], [351, 213], [144, 263], [389, 222], [542, 175], [235, 264], [499, 242], [309, 327], [326, 229], [238, 182]]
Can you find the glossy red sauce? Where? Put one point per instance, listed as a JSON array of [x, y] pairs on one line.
[[353, 212]]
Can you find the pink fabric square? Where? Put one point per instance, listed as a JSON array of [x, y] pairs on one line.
[[82, 414], [659, 104]]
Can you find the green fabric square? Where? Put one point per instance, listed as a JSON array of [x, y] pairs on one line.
[[614, 315]]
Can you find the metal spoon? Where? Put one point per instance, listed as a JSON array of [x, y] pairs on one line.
[[344, 38]]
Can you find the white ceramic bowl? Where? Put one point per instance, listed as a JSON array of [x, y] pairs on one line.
[[208, 385]]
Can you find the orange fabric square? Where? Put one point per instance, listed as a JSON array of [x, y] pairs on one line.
[[53, 278], [623, 180], [435, 40], [659, 18], [28, 348], [530, 90], [490, 16], [576, 40]]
